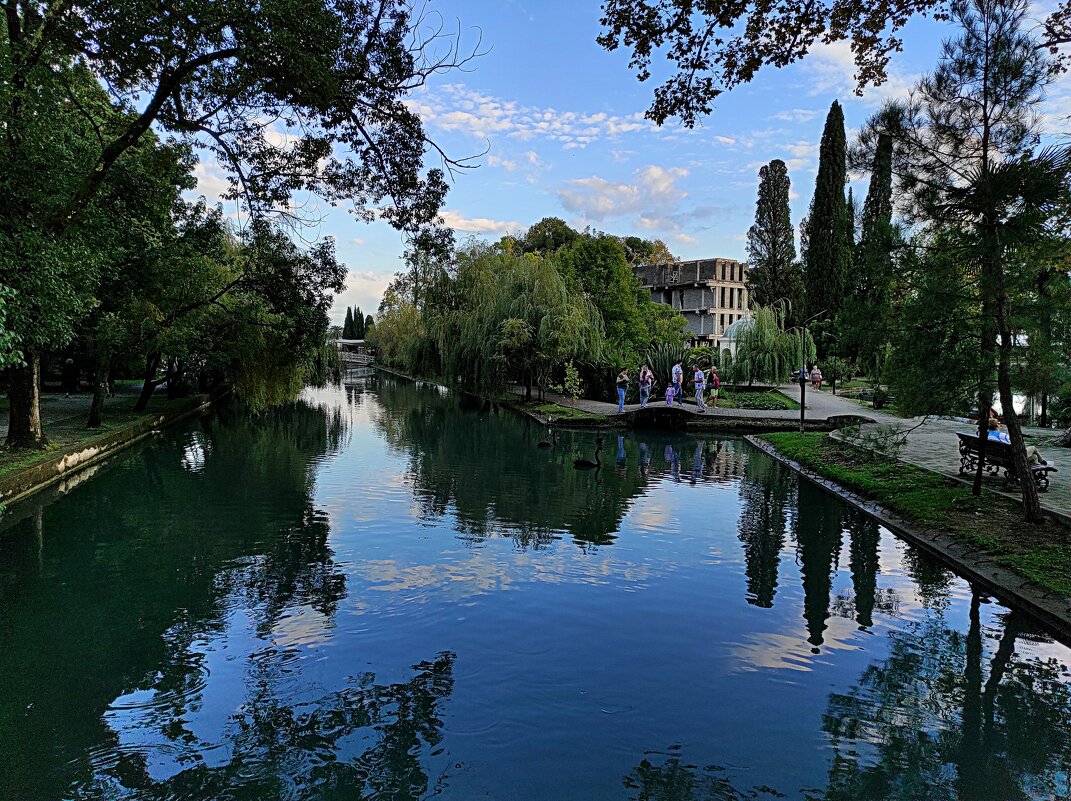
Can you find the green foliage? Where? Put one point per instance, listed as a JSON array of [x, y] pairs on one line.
[[774, 275], [571, 382], [765, 401], [347, 326], [661, 359], [765, 351], [829, 245]]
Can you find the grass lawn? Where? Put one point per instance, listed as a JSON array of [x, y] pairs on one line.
[[766, 401], [72, 431], [559, 412], [991, 523]]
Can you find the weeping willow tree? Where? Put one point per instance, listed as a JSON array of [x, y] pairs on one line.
[[516, 320], [765, 351]]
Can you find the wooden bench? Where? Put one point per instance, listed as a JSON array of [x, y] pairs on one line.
[[998, 456]]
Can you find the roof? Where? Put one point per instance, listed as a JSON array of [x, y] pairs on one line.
[[736, 328]]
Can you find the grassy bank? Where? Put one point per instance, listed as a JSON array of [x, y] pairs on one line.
[[72, 432], [567, 413], [990, 523], [764, 401]]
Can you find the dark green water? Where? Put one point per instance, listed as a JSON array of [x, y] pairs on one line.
[[386, 592]]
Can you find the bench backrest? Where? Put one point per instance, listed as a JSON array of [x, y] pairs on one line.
[[994, 449]]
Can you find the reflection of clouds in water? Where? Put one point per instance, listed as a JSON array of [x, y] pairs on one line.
[[482, 573], [195, 452], [781, 651]]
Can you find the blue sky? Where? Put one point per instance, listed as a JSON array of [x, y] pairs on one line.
[[562, 122]]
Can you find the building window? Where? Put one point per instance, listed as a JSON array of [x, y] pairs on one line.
[[721, 323], [723, 297], [732, 304], [732, 272]]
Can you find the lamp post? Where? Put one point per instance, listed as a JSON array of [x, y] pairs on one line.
[[803, 368]]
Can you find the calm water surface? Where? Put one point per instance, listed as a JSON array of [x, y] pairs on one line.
[[385, 591]]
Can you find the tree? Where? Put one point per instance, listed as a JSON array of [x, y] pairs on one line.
[[548, 236], [829, 244], [765, 350], [347, 327], [965, 158], [335, 82], [358, 323], [771, 247], [718, 45], [865, 316]]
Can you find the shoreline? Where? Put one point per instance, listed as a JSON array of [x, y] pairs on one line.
[[1013, 589], [67, 465]]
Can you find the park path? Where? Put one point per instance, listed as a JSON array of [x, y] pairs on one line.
[[56, 408]]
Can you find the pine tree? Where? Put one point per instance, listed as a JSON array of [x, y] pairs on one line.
[[369, 324], [828, 240], [347, 327], [773, 272]]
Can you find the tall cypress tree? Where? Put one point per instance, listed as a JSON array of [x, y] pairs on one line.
[[347, 327], [865, 315], [358, 323], [771, 248], [829, 246]]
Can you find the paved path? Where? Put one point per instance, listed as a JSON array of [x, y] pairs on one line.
[[56, 408], [817, 407]]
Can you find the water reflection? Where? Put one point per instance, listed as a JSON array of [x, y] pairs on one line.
[[388, 592]]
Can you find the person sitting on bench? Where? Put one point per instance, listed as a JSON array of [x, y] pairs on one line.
[[997, 435]]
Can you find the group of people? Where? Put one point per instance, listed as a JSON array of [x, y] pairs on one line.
[[674, 389]]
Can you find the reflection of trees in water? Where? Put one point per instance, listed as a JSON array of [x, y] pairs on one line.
[[819, 523], [366, 740], [766, 495], [940, 718], [668, 779], [486, 469], [150, 546]]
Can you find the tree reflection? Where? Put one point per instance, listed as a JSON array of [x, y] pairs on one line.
[[819, 525], [942, 719], [667, 778], [367, 740], [766, 495], [83, 612]]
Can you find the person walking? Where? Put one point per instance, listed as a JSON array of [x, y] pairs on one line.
[[699, 377], [816, 377], [646, 381], [622, 388], [678, 383], [715, 385]]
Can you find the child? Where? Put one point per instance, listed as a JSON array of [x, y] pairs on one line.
[[671, 393]]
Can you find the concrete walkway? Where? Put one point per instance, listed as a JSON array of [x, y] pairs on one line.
[[823, 404], [56, 408], [817, 407]]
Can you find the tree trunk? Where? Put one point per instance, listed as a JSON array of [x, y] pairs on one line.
[[152, 362], [1031, 502], [100, 390], [1043, 420], [24, 405]]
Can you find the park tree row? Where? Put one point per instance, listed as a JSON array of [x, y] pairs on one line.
[[101, 107], [518, 310], [952, 287]]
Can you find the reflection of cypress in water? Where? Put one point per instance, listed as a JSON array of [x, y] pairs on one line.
[[928, 722], [863, 558], [818, 536], [662, 776], [764, 493]]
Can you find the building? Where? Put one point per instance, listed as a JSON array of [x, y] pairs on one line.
[[710, 293]]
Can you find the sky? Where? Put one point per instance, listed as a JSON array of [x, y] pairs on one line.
[[556, 126]]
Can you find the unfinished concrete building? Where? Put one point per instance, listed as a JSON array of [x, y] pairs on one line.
[[710, 293]]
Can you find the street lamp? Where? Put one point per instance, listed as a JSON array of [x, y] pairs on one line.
[[803, 367]]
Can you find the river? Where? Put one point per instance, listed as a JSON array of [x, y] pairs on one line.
[[387, 591]]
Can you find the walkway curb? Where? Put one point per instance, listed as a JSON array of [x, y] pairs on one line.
[[67, 462], [1052, 611]]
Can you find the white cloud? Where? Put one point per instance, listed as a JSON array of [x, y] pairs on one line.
[[364, 289], [652, 194], [725, 140], [831, 68], [480, 225], [498, 161], [797, 115], [211, 181], [358, 242], [455, 107]]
